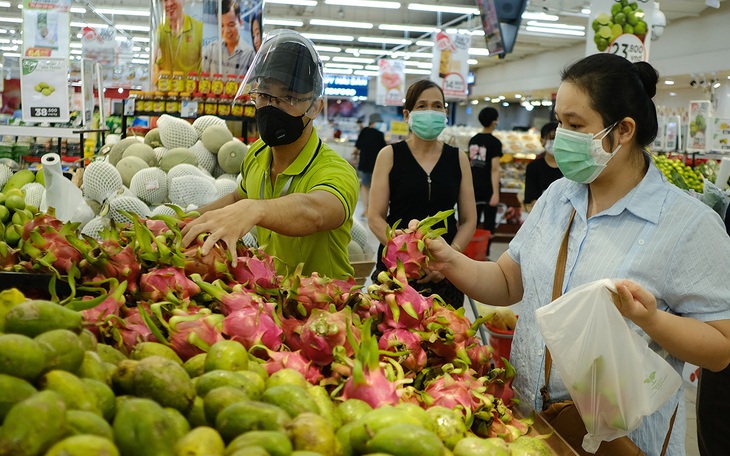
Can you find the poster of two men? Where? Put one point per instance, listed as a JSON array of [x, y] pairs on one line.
[[205, 36]]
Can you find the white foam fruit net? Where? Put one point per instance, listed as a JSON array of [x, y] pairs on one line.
[[359, 234], [150, 185], [249, 240], [206, 159], [176, 132], [227, 176], [95, 226], [33, 193], [101, 179], [164, 209], [196, 190], [159, 152], [203, 122], [224, 187], [186, 169], [130, 204], [5, 173]]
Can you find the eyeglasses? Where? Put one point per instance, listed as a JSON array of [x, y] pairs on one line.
[[264, 99]]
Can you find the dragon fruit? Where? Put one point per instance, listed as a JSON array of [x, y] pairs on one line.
[[303, 294], [500, 382], [8, 257], [326, 330], [192, 333], [279, 360], [231, 301], [480, 356], [97, 310], [447, 332], [408, 247], [108, 259], [396, 304], [167, 284], [406, 345], [292, 329], [254, 326], [50, 248], [210, 266], [256, 273], [40, 221], [455, 389], [132, 329]]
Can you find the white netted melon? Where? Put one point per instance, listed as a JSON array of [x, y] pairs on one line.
[[159, 153], [359, 234], [249, 240], [128, 167], [227, 176], [95, 226], [177, 156], [142, 151], [231, 155], [215, 136], [206, 160], [152, 138], [217, 171], [130, 204], [164, 209], [186, 190], [112, 139], [150, 185], [100, 180], [203, 122], [5, 174], [117, 151], [176, 132], [224, 187], [354, 251], [33, 193], [185, 169]]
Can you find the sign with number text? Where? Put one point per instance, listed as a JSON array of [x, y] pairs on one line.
[[44, 90], [620, 27]]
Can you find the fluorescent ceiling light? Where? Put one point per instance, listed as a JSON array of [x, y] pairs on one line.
[[141, 38], [443, 9], [356, 51], [672, 94], [472, 61], [124, 11], [76, 51], [420, 55], [539, 16], [465, 32], [4, 4], [416, 71], [408, 28], [366, 73], [554, 31], [4, 41], [11, 54], [328, 37], [352, 60], [293, 2], [556, 26], [478, 51], [338, 71], [15, 20], [518, 95], [343, 65], [283, 22], [324, 58], [78, 10], [586, 11], [350, 24], [8, 48], [372, 67], [364, 3], [75, 45], [134, 28], [327, 48], [136, 49], [669, 82], [424, 43], [383, 40]]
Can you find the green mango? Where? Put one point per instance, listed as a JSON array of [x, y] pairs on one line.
[[287, 377], [375, 420], [255, 366], [88, 340], [344, 445], [35, 317], [12, 391], [201, 441], [123, 377], [109, 354], [446, 423], [276, 443], [311, 432], [220, 398], [476, 446], [178, 421], [142, 428], [164, 381], [292, 398], [196, 415], [352, 410], [249, 451], [84, 445], [80, 422], [105, 398], [529, 446], [242, 417], [195, 366], [21, 356], [415, 410], [227, 355], [326, 406], [33, 425], [72, 390], [405, 440], [218, 378], [146, 349], [93, 367], [18, 179], [63, 350]]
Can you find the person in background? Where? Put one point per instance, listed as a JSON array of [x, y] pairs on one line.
[[368, 144], [256, 31], [419, 177], [543, 170], [296, 191], [668, 251], [233, 52], [180, 41], [484, 153]]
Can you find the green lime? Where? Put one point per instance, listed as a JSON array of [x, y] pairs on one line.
[[22, 217], [596, 25], [15, 203], [616, 31], [640, 28], [2, 198], [619, 18], [12, 235], [627, 10], [4, 214], [634, 17], [603, 18], [628, 28], [605, 32], [14, 192], [615, 8], [602, 44]]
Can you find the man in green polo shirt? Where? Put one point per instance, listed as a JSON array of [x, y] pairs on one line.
[[179, 41], [296, 190]]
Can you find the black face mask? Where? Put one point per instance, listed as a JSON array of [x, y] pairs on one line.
[[277, 128]]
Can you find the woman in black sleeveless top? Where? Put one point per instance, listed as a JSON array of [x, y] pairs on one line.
[[419, 177]]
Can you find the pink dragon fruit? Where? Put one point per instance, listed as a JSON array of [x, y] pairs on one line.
[[50, 248], [480, 356], [157, 226], [254, 326], [8, 257], [406, 345], [452, 390], [96, 310], [303, 294], [499, 382], [292, 329], [447, 332], [326, 330], [191, 333], [133, 330], [40, 221], [396, 304], [279, 360], [231, 301], [257, 273], [167, 284], [408, 247], [108, 259], [211, 266]]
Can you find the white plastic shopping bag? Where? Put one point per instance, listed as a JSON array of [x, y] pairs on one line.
[[612, 375]]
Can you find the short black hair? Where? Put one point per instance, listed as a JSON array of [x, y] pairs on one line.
[[547, 128], [487, 116], [226, 6], [415, 91]]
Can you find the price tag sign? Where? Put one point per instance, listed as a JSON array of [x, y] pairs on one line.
[[44, 90], [399, 128], [629, 47], [621, 28], [46, 31]]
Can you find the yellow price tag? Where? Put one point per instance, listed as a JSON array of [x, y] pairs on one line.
[[399, 128]]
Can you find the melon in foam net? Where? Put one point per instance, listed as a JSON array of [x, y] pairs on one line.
[[142, 151], [231, 155], [150, 185], [100, 180], [177, 156], [215, 136], [203, 122], [128, 167], [176, 132]]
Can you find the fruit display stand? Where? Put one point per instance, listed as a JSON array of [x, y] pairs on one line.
[[542, 428], [59, 133]]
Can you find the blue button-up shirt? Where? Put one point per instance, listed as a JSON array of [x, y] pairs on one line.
[[657, 235]]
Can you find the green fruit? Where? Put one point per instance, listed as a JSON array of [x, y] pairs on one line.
[[226, 355], [255, 366], [640, 28], [619, 18], [178, 421], [17, 180], [109, 354], [616, 31], [63, 350], [12, 235], [152, 138], [105, 399], [146, 349], [20, 356], [40, 177], [35, 317], [4, 214], [628, 28], [72, 390], [220, 398], [214, 136], [352, 410], [195, 366], [292, 398], [142, 428], [215, 379], [33, 425], [165, 381], [94, 368], [249, 451], [311, 432], [605, 32], [475, 446], [603, 18], [117, 150], [242, 417], [143, 151], [201, 441], [529, 446], [46, 91], [405, 440], [447, 424], [276, 443], [88, 340], [15, 203], [128, 167], [325, 405], [196, 415], [375, 420], [21, 217], [12, 391], [177, 156], [81, 422], [123, 377], [287, 377], [84, 445], [231, 155], [615, 9], [343, 440]]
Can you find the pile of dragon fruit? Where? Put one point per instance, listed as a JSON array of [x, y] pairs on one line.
[[384, 345]]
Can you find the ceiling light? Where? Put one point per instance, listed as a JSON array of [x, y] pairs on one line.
[[505, 104], [518, 95], [465, 32], [352, 60], [124, 11], [672, 94], [556, 26], [76, 51], [135, 28], [443, 9], [78, 10], [364, 3], [472, 61], [327, 48], [478, 51], [328, 37], [421, 55], [585, 11], [4, 4], [541, 16], [372, 67], [344, 65], [475, 102], [329, 23], [554, 31], [366, 73], [416, 71], [283, 22], [356, 51], [430, 44], [495, 100], [381, 40], [75, 45], [408, 28], [141, 38], [11, 48], [294, 2], [16, 20], [669, 82], [716, 85], [11, 54], [338, 71]]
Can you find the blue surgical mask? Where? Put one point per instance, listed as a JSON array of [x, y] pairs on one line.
[[427, 124], [580, 156]]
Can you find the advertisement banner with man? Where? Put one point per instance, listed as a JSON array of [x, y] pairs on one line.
[[46, 30], [621, 27], [450, 67], [212, 36], [391, 82]]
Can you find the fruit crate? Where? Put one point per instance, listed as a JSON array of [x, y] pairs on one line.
[[363, 265]]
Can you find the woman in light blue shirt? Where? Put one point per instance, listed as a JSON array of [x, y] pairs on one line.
[[670, 251]]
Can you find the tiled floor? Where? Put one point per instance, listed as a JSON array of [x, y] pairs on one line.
[[690, 390]]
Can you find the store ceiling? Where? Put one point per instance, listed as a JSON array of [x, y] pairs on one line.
[[307, 17]]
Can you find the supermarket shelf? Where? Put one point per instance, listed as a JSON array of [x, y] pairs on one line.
[[244, 119], [51, 132]]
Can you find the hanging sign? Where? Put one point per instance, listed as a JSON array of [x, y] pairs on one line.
[[620, 27], [99, 45], [44, 90], [450, 67], [699, 118], [721, 134], [391, 82], [46, 29]]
